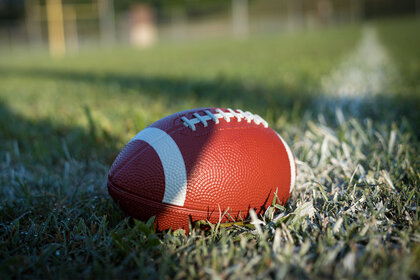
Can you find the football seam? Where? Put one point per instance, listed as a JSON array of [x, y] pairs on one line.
[[246, 125], [220, 114]]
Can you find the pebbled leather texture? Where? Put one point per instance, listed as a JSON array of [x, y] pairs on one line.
[[230, 166]]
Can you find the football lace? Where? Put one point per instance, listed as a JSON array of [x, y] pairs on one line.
[[227, 116]]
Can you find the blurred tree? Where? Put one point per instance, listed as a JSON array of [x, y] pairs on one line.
[[11, 10], [381, 8], [191, 8]]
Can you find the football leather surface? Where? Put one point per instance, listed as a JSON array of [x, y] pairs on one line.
[[202, 164]]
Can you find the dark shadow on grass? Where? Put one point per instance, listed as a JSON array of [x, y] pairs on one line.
[[269, 101], [218, 92], [42, 142], [274, 101], [39, 152]]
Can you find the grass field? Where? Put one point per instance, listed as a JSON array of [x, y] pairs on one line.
[[354, 212]]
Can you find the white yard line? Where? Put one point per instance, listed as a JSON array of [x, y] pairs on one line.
[[363, 74]]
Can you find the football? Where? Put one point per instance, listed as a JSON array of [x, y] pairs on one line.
[[209, 164]]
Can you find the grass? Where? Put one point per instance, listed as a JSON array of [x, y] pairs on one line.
[[354, 212], [402, 46]]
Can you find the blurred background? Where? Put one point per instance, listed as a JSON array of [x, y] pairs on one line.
[[70, 25]]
